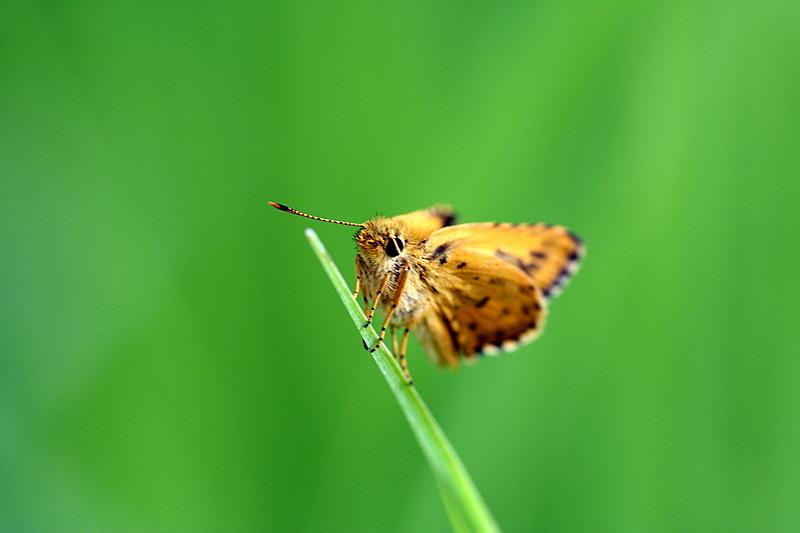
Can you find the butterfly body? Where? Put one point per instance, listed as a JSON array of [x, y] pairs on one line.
[[463, 290], [376, 264]]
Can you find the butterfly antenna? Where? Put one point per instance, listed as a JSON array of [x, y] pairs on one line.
[[288, 209]]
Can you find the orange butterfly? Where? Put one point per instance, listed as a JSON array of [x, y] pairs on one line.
[[464, 289]]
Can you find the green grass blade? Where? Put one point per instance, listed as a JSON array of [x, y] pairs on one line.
[[464, 504]]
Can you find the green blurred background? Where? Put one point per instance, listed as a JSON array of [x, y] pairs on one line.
[[173, 357]]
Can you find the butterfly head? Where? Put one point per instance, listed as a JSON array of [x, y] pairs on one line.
[[382, 239]]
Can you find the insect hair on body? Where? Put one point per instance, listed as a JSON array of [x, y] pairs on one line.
[[464, 290]]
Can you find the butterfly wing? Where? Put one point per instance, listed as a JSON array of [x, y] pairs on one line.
[[425, 221], [550, 255], [493, 282], [484, 304]]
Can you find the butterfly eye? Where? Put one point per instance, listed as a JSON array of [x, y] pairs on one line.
[[394, 246]]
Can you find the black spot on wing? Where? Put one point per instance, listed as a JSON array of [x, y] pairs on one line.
[[440, 250], [483, 301], [528, 268], [448, 219], [451, 331]]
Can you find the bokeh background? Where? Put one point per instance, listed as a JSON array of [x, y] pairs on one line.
[[172, 356]]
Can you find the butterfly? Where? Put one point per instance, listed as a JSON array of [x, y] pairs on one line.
[[463, 289]]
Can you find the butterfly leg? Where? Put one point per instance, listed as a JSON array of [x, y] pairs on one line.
[[401, 355], [398, 292], [377, 301], [394, 340], [358, 278]]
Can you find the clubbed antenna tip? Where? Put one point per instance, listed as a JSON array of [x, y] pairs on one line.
[[276, 205]]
